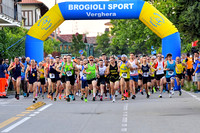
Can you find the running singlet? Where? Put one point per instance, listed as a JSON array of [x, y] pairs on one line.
[[42, 73], [69, 72], [171, 71], [189, 63], [102, 70], [16, 71], [32, 75], [160, 68], [64, 73], [114, 71], [145, 70], [91, 69], [83, 75], [179, 68], [124, 71], [152, 70], [52, 72], [134, 72]]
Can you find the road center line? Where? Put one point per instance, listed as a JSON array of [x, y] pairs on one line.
[[124, 118], [43, 108], [15, 125]]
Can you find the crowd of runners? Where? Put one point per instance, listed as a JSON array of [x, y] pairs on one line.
[[103, 77]]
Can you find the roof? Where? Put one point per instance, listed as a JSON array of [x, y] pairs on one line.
[[91, 40], [30, 2], [68, 37]]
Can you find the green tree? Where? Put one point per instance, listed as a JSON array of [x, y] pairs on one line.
[[51, 45], [77, 44], [9, 36]]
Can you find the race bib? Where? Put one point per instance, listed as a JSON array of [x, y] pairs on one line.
[[51, 75], [124, 75], [159, 68], [84, 76], [33, 74], [145, 74], [170, 73], [69, 73]]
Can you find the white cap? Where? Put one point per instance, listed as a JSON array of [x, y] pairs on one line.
[[124, 56]]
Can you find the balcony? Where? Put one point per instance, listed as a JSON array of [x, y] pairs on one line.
[[10, 13]]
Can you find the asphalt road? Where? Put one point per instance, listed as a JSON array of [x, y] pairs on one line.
[[180, 114]]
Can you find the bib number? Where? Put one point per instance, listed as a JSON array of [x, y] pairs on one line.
[[69, 73], [145, 74], [33, 74], [84, 76], [170, 73], [52, 76], [124, 75]]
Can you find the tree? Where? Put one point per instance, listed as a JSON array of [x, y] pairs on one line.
[[9, 36], [188, 20], [77, 44], [51, 45]]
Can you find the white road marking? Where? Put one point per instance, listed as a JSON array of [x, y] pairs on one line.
[[15, 125], [43, 108], [124, 118], [32, 114], [36, 112], [197, 98]]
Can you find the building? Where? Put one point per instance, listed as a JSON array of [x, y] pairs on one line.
[[10, 13], [32, 10]]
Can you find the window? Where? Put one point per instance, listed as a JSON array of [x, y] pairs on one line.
[[28, 14]]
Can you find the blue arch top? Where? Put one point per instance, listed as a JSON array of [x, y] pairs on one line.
[[101, 10]]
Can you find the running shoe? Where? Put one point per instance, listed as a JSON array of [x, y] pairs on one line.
[[122, 98], [89, 92], [86, 100], [24, 94], [34, 100], [15, 94], [68, 99], [133, 97], [42, 96], [27, 95], [82, 98], [55, 99], [101, 98], [17, 97], [180, 93], [170, 95], [113, 100], [126, 98], [148, 95], [93, 99], [172, 91], [141, 92], [160, 96], [110, 97], [154, 89], [106, 97], [60, 97]]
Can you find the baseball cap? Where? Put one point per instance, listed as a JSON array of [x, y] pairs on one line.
[[124, 56]]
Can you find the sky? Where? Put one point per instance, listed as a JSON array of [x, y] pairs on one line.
[[91, 27]]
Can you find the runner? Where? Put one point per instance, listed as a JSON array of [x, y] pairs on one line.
[[159, 66], [145, 67], [190, 70], [179, 74], [101, 78], [51, 77], [41, 82], [84, 84], [152, 75], [69, 68], [16, 68], [91, 70], [170, 73], [134, 74], [140, 77], [112, 70], [63, 75], [33, 76], [58, 79], [124, 73]]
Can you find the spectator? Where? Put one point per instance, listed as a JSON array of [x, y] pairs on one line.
[[197, 73], [3, 82]]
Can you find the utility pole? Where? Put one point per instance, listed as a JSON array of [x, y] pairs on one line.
[[55, 34]]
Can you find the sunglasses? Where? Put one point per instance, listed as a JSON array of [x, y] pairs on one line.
[[64, 58], [91, 60]]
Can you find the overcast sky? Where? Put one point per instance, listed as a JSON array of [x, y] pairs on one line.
[[92, 27]]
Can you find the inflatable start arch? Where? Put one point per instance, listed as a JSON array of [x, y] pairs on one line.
[[133, 9]]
